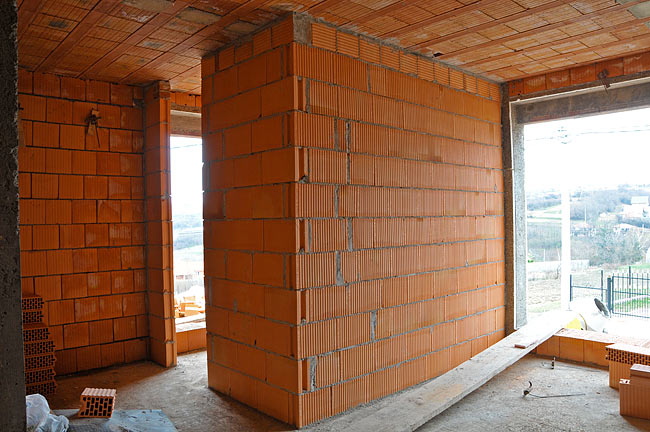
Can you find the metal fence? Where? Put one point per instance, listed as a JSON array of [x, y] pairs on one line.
[[576, 290], [624, 293]]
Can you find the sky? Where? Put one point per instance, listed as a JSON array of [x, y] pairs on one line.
[[603, 151], [186, 165]]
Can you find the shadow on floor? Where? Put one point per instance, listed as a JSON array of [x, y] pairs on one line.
[[181, 392]]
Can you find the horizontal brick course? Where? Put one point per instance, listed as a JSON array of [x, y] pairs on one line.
[[378, 189], [581, 75], [81, 215]]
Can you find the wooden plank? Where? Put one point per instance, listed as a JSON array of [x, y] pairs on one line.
[[410, 409]]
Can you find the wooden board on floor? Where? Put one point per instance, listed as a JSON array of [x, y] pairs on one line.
[[410, 409], [122, 420]]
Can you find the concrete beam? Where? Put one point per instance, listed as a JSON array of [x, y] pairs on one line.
[[12, 363], [597, 101], [185, 123]]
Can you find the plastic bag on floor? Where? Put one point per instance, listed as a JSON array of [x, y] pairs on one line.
[[39, 417]]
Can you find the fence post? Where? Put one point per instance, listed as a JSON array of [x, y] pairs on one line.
[[629, 276], [602, 272], [610, 283]]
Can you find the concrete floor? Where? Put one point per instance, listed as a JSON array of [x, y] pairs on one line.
[[598, 410], [182, 393]]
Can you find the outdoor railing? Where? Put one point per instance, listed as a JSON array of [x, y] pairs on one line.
[[624, 293]]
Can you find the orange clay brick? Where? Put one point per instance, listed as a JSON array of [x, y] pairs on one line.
[[97, 402], [389, 145]]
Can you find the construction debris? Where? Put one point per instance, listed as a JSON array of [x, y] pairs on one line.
[[527, 392], [39, 348], [189, 306], [621, 357], [635, 392]]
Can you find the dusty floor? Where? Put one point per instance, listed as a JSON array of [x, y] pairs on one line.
[[182, 393], [596, 411]]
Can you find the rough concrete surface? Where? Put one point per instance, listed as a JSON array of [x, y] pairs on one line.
[[408, 410], [500, 406], [182, 394], [12, 385], [508, 211], [518, 195], [598, 101]]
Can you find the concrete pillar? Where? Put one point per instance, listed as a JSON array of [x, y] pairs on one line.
[[12, 376]]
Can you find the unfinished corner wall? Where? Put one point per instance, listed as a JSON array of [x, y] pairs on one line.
[[353, 219], [82, 235], [158, 215]]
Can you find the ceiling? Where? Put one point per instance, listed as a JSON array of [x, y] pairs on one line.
[[138, 41]]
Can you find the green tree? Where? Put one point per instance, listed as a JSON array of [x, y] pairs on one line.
[[614, 247]]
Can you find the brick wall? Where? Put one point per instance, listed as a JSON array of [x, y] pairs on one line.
[[81, 217], [185, 99], [353, 219], [160, 275], [581, 75]]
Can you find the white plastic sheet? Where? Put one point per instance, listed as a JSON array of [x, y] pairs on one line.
[[39, 417]]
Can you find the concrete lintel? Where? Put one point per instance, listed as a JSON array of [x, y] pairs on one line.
[[584, 104], [589, 86], [185, 123], [185, 109]]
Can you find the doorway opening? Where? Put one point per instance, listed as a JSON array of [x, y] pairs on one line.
[[186, 165], [588, 217]]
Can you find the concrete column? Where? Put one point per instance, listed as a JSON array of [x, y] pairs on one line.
[[12, 378]]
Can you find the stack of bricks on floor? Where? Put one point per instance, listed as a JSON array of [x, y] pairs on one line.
[[635, 392], [96, 402], [621, 357], [39, 349]]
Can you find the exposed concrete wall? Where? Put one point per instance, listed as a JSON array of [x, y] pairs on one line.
[[12, 378], [508, 211], [521, 236], [515, 216]]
